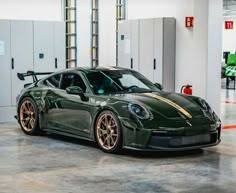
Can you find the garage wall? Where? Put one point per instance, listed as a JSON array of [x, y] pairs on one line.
[[83, 32], [32, 9], [198, 50], [214, 52], [229, 36], [107, 32], [184, 36]]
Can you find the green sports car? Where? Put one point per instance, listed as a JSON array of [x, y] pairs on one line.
[[116, 108]]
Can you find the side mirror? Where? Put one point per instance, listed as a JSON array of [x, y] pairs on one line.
[[159, 86], [76, 90]]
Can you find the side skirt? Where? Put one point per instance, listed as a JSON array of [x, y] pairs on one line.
[[67, 134]]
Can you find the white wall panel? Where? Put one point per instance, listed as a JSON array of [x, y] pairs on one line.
[[229, 36], [152, 48], [129, 45], [22, 53], [195, 47], [31, 9], [200, 39], [146, 48], [158, 50], [135, 44], [83, 32], [5, 63], [214, 54], [21, 43], [60, 45], [125, 44], [139, 9], [107, 32], [44, 44]]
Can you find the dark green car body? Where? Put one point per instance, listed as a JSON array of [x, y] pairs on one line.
[[175, 122]]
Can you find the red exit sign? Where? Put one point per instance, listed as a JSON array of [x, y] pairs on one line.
[[229, 25], [189, 21]]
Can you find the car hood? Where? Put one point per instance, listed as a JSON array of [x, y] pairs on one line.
[[169, 105]]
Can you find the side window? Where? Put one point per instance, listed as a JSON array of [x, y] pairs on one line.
[[72, 80], [53, 81]]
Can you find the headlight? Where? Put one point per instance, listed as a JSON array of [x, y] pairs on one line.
[[213, 127], [138, 111]]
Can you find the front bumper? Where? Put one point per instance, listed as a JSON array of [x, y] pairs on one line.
[[185, 138], [184, 142], [172, 149]]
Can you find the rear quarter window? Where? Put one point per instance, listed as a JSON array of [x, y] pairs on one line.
[[53, 81]]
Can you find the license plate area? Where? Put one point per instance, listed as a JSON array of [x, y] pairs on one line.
[[188, 140]]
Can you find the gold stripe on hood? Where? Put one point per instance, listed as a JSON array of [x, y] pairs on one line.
[[176, 106]]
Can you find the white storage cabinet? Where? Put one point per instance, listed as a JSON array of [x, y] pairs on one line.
[[27, 45], [148, 46]]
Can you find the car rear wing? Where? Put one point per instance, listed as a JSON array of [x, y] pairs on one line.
[[34, 75]]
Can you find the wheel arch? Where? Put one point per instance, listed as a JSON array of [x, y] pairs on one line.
[[105, 108], [20, 101], [28, 95]]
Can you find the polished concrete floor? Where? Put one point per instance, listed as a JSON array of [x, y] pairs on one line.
[[63, 165]]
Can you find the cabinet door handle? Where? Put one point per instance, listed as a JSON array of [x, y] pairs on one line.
[[131, 63], [154, 64], [56, 63], [12, 63]]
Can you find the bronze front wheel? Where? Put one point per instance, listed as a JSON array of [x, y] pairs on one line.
[[108, 132], [28, 116]]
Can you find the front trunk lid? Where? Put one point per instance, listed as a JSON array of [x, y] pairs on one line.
[[169, 105]]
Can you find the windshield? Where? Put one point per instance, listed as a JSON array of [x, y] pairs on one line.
[[119, 81]]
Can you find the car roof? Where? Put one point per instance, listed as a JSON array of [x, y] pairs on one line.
[[91, 69], [97, 69], [86, 70]]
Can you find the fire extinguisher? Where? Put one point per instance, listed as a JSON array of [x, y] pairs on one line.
[[186, 89]]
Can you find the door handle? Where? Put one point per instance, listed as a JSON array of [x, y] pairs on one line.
[[154, 64], [56, 63], [12, 63], [131, 63]]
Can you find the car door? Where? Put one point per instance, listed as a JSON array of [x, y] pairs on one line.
[[53, 114], [72, 113]]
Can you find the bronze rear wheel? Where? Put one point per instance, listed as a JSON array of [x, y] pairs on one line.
[[28, 116]]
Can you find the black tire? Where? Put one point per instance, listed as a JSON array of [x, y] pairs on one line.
[[28, 116], [108, 132]]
